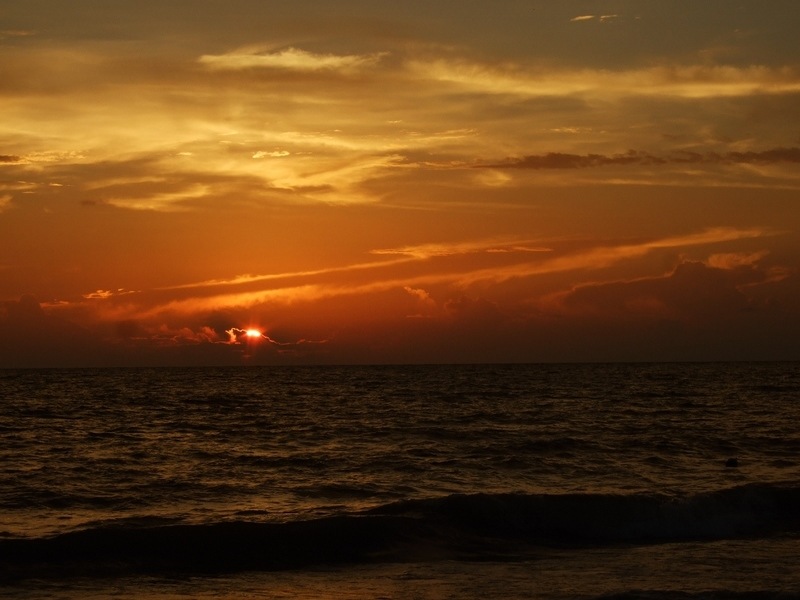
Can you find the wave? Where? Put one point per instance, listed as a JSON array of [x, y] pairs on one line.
[[600, 519], [466, 527]]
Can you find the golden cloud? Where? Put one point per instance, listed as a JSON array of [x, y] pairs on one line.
[[292, 59], [424, 251], [694, 81]]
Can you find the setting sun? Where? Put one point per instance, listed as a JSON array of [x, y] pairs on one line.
[[269, 269], [585, 179]]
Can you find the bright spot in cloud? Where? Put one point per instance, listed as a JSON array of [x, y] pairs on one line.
[[252, 333]]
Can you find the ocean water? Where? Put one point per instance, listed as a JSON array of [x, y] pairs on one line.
[[479, 481]]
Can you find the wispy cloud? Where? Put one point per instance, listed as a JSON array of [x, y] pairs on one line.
[[106, 294], [601, 18], [424, 251], [16, 33], [250, 279], [292, 59], [165, 201], [601, 257], [735, 260], [681, 81], [246, 293]]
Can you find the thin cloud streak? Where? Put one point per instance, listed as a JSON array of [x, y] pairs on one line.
[[593, 259], [292, 59], [696, 81], [410, 254], [425, 251], [606, 256]]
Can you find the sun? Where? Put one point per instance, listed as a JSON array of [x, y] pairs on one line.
[[253, 333]]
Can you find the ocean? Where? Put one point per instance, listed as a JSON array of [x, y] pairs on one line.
[[541, 481]]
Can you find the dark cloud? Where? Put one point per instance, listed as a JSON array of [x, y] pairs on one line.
[[768, 156], [479, 310], [128, 329], [10, 158], [30, 337], [693, 292], [697, 312], [559, 160]]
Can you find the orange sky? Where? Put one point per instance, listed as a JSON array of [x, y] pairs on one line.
[[398, 182]]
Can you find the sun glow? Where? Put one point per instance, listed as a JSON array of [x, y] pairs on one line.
[[253, 333]]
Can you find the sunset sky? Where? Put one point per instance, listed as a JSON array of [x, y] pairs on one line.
[[358, 181]]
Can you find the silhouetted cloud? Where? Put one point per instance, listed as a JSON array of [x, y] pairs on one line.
[[29, 336], [560, 160], [10, 158]]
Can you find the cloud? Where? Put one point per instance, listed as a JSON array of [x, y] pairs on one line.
[[559, 160], [162, 201], [243, 280], [601, 18], [449, 270], [735, 260], [45, 156], [420, 294], [106, 294], [274, 154], [15, 33], [239, 336], [603, 257], [424, 306], [676, 81], [693, 292], [29, 336], [147, 325], [425, 251], [292, 59]]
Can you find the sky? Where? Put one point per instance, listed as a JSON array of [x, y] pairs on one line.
[[208, 182]]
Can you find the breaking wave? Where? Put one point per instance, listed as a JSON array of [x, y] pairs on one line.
[[465, 527]]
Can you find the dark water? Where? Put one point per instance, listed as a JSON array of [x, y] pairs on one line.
[[518, 481]]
